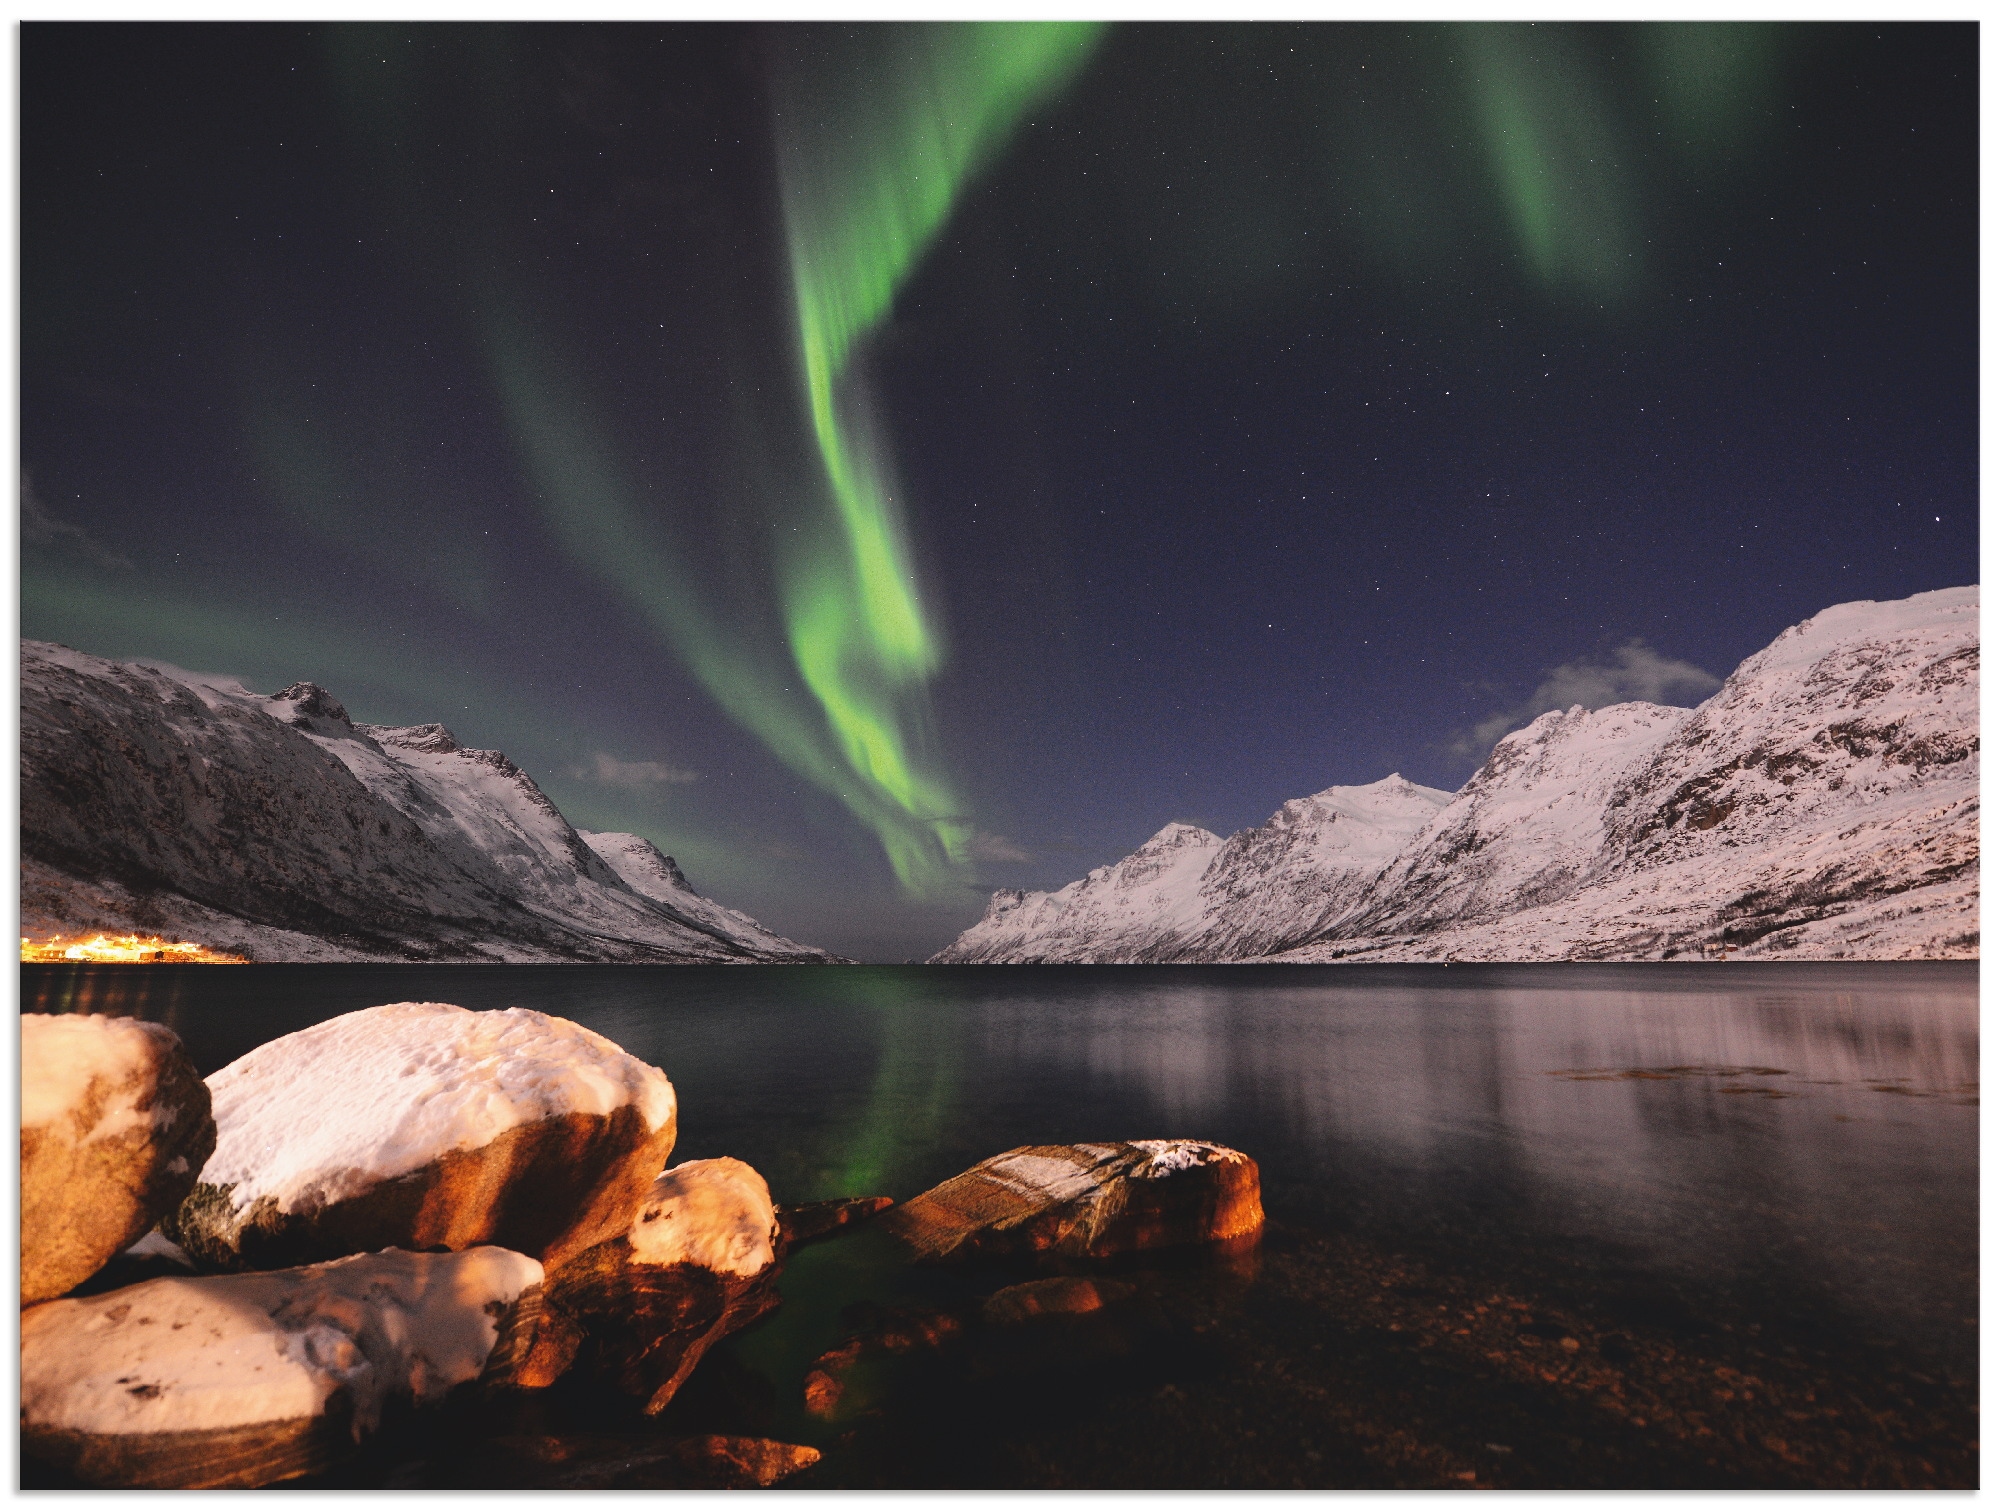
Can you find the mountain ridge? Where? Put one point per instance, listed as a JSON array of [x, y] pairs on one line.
[[1823, 803], [158, 800]]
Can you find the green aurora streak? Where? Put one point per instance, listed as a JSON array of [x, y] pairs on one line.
[[869, 178], [1568, 171]]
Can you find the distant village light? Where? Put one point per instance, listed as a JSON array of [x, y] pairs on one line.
[[128, 949]]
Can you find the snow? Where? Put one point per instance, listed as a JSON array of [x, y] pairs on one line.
[[323, 1114], [1186, 894], [1822, 805], [68, 1058], [1171, 1155], [198, 1354], [156, 1244], [713, 1212], [641, 866], [241, 808]]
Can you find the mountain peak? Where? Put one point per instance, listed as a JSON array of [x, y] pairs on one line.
[[1823, 804], [314, 701]]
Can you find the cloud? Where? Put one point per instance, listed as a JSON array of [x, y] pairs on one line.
[[40, 527], [1635, 673], [986, 846], [637, 775]]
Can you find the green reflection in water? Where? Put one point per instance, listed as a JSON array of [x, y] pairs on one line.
[[914, 1092]]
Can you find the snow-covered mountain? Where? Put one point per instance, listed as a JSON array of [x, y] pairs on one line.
[[1824, 804], [158, 801], [1185, 895]]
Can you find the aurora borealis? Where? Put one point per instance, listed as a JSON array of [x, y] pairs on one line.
[[885, 463], [871, 162]]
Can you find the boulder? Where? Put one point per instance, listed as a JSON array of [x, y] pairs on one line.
[[716, 1213], [1086, 1201], [638, 1311], [115, 1126], [231, 1381], [422, 1125]]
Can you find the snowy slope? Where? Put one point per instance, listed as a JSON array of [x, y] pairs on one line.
[[1115, 915], [1187, 895], [1823, 804], [165, 802]]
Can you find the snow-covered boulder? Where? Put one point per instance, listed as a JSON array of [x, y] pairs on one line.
[[1086, 1200], [418, 1124], [713, 1212], [640, 1310], [237, 1380], [115, 1126]]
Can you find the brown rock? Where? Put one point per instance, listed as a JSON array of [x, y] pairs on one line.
[[639, 1327], [743, 1462], [421, 1125], [1086, 1200], [115, 1126]]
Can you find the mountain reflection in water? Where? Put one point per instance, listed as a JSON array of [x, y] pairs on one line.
[[1802, 1137]]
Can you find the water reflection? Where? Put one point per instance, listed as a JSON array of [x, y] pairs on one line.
[[1581, 1106], [1501, 1106]]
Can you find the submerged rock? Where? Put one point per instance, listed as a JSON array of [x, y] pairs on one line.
[[1062, 1295], [638, 1311], [115, 1126], [606, 1462], [232, 1381], [798, 1225], [872, 1333], [1086, 1200], [422, 1125]]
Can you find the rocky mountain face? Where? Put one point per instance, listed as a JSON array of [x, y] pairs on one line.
[[277, 828], [1186, 895], [1823, 804]]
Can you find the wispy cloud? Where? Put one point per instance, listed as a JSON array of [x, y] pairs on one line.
[[41, 528], [999, 847], [634, 775], [1635, 673]]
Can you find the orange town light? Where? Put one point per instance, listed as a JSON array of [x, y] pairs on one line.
[[127, 949]]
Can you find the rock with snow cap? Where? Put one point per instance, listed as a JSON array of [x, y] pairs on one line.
[[713, 1212], [1086, 1200], [232, 1381], [638, 1311], [420, 1125], [115, 1126]]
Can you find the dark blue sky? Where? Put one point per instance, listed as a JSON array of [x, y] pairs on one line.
[[1279, 406]]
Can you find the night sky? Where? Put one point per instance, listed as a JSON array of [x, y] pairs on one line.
[[882, 464]]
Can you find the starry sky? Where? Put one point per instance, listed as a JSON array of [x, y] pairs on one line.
[[880, 464]]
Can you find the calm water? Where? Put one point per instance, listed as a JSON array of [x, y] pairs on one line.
[[1470, 1111]]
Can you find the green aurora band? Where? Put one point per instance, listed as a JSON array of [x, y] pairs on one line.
[[869, 177]]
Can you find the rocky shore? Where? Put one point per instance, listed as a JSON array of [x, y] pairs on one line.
[[420, 1235]]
